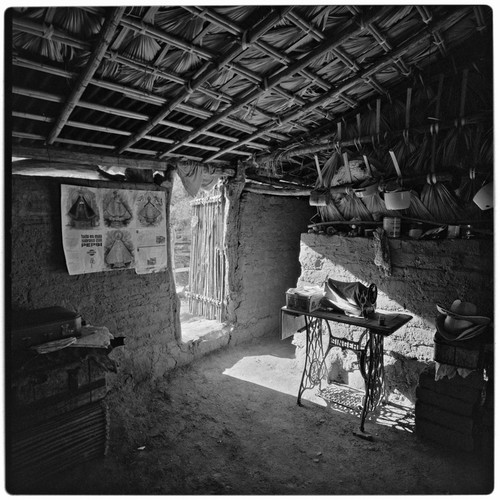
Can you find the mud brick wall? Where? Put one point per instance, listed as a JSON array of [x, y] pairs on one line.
[[423, 273], [143, 308], [264, 261]]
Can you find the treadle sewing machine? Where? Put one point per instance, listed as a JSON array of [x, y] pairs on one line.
[[369, 348]]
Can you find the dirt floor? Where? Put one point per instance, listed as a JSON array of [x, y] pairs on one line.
[[229, 424]]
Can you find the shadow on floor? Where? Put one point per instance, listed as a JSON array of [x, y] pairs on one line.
[[229, 424]]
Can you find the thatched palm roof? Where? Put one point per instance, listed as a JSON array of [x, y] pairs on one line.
[[147, 86]]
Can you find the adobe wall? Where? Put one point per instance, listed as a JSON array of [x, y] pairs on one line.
[[424, 273], [264, 258], [142, 308]]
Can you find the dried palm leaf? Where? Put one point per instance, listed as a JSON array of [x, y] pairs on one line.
[[142, 47], [468, 187], [53, 50], [178, 21], [180, 61], [352, 208], [326, 17], [456, 147], [282, 37], [419, 159], [78, 21], [236, 13], [131, 77], [441, 202], [328, 171], [417, 209], [330, 213], [376, 206], [486, 148]]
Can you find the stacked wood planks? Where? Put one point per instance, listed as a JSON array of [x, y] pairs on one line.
[[41, 450]]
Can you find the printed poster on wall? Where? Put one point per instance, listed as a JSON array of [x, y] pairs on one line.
[[113, 229]]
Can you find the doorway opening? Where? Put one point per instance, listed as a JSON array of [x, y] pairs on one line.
[[199, 260]]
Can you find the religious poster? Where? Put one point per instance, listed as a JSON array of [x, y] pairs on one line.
[[113, 229]]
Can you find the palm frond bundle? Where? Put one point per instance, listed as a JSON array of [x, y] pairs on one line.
[[352, 208], [141, 47], [145, 81], [326, 17], [486, 148], [441, 202], [179, 22], [78, 21], [281, 37], [180, 61], [376, 206], [330, 212], [466, 192], [457, 146], [236, 13], [417, 209], [417, 162], [328, 171], [50, 49]]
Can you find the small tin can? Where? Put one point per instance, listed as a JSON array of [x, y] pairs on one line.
[[415, 231], [453, 232], [392, 226]]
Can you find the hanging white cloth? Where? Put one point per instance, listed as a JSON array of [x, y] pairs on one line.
[[195, 177]]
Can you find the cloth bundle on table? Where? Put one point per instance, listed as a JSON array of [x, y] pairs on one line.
[[353, 298]]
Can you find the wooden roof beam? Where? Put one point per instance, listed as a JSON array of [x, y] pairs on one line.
[[255, 33], [108, 30], [416, 40], [50, 153]]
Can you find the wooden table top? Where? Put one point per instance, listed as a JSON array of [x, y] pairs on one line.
[[391, 321]]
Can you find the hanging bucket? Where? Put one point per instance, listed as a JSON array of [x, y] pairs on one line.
[[484, 197], [397, 200]]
